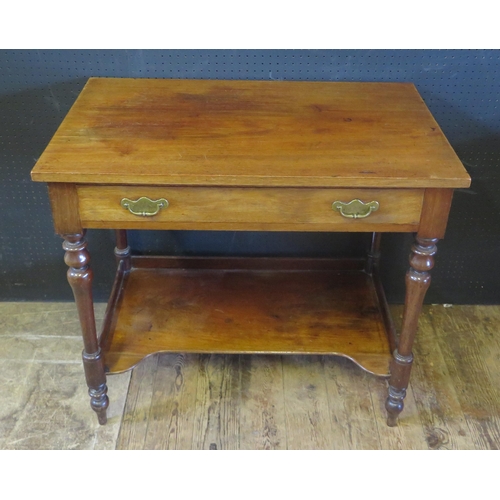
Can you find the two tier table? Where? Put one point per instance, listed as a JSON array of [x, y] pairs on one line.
[[150, 154]]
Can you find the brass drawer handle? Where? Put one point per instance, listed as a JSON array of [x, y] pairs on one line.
[[355, 209], [144, 206]]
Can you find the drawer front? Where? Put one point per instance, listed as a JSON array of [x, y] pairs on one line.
[[253, 209]]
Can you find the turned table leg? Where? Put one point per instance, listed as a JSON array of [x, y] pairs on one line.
[[80, 278], [418, 280]]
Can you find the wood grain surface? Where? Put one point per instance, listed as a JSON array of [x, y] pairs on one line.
[[250, 209], [250, 133], [242, 311], [64, 204], [325, 402]]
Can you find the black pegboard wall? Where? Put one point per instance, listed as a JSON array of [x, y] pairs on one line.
[[461, 88]]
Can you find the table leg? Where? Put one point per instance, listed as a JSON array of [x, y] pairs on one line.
[[373, 258], [418, 280], [80, 278], [122, 250]]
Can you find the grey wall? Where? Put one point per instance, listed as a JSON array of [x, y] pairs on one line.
[[461, 88]]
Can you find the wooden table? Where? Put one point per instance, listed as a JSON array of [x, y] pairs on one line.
[[249, 156]]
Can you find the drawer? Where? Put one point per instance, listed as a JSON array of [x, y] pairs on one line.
[[252, 209]]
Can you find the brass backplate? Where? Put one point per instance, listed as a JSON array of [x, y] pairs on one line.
[[355, 209], [144, 206]]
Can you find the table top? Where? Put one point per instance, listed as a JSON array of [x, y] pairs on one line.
[[250, 133]]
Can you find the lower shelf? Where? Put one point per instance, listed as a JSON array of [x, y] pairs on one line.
[[279, 306]]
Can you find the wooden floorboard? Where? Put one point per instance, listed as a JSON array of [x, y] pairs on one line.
[[351, 413], [322, 402], [262, 403], [172, 411], [217, 404], [136, 416], [307, 414], [435, 393], [470, 346]]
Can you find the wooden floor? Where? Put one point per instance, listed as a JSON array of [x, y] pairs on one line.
[[176, 401], [319, 402]]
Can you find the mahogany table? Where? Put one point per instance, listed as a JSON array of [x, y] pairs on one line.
[[249, 156]]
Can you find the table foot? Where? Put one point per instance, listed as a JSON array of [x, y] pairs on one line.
[[394, 405], [96, 381], [99, 402]]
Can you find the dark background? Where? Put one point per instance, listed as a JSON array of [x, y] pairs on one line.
[[460, 87]]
